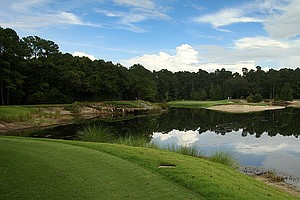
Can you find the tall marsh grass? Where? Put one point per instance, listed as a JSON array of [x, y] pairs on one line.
[[224, 157], [95, 133], [219, 156], [132, 140], [193, 150]]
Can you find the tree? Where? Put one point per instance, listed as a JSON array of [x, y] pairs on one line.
[[37, 47], [250, 98], [215, 92], [11, 56], [286, 93], [257, 98], [236, 86], [143, 85]]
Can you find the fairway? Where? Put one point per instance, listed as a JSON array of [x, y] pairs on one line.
[[197, 104], [36, 169]]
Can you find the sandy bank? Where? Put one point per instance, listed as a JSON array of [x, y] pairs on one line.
[[237, 108]]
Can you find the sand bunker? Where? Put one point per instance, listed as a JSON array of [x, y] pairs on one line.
[[236, 108]]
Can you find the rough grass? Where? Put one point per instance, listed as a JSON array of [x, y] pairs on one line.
[[58, 169], [197, 104], [15, 113]]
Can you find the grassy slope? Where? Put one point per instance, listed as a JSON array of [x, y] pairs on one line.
[[36, 169], [49, 169], [197, 104]]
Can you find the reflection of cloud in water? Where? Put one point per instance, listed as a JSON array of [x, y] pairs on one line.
[[181, 138], [259, 149], [245, 148], [284, 162], [266, 144]]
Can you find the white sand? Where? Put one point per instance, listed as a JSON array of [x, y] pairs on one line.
[[236, 108]]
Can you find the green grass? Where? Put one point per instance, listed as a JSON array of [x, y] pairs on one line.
[[197, 104], [16, 113], [58, 169]]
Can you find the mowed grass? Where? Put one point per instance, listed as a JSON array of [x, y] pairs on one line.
[[15, 113], [58, 169], [37, 169], [197, 104]]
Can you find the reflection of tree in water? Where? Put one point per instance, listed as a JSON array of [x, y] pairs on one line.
[[284, 122]]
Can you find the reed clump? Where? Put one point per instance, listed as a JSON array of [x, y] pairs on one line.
[[95, 133]]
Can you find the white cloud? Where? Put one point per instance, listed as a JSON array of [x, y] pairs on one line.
[[285, 24], [226, 17], [148, 4], [280, 18], [83, 54], [189, 59], [245, 52], [33, 14], [186, 58], [46, 20], [134, 12], [259, 42]]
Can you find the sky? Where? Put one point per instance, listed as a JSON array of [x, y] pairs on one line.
[[178, 35]]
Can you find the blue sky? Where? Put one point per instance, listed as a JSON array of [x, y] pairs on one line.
[[176, 35]]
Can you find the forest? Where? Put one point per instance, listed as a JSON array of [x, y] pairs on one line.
[[34, 71]]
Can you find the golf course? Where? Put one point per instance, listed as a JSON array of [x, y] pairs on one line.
[[58, 169]]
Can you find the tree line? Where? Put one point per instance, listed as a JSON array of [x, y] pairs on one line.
[[34, 71]]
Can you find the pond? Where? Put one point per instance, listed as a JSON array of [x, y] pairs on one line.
[[260, 141]]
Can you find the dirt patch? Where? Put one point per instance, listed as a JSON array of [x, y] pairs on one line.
[[237, 108]]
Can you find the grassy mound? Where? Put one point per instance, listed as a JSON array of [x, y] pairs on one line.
[[56, 169]]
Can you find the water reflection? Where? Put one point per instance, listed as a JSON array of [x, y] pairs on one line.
[[268, 139]]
